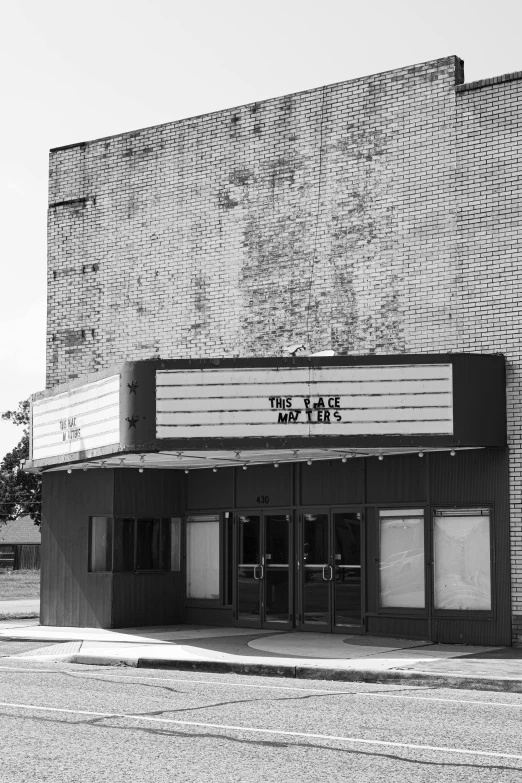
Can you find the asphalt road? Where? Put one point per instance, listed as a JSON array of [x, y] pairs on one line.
[[64, 722]]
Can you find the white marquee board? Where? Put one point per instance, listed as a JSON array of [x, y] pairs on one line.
[[415, 399], [87, 417]]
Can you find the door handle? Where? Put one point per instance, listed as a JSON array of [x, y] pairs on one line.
[[262, 571], [328, 579]]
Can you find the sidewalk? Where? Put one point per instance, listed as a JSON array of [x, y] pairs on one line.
[[246, 651]]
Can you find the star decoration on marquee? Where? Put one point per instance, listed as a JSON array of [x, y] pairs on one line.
[[133, 420]]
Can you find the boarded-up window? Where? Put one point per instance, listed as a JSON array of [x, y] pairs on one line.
[[401, 566], [462, 559], [203, 557]]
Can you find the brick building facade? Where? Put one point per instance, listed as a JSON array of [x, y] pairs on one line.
[[375, 216]]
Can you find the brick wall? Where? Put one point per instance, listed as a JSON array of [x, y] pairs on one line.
[[321, 218], [489, 280]]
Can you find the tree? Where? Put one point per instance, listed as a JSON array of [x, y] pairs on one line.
[[20, 492]]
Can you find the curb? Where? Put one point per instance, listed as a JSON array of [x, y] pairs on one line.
[[433, 680]]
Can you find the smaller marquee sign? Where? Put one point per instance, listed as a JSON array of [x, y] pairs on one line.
[[87, 417]]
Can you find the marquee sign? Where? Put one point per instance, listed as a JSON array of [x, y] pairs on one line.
[[175, 406], [87, 417], [414, 399]]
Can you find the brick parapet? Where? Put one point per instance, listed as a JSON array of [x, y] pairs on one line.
[[506, 77], [297, 219]]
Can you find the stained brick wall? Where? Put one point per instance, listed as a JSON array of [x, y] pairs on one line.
[[489, 280], [376, 215], [320, 218]]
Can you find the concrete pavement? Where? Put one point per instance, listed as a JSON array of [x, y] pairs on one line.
[[301, 655]]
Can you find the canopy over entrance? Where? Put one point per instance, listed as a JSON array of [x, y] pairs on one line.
[[193, 414]]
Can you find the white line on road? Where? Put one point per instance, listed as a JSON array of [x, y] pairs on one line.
[[179, 681], [252, 729]]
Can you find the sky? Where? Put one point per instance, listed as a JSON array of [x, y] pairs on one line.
[[74, 71]]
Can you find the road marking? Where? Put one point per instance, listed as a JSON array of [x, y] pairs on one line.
[[254, 730], [132, 678]]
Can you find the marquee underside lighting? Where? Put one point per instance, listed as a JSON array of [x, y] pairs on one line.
[[197, 460]]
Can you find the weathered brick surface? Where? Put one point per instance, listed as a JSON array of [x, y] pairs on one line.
[[314, 218], [489, 280], [376, 215]]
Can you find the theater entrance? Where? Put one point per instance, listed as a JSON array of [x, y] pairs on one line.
[[310, 578], [264, 586], [330, 572]]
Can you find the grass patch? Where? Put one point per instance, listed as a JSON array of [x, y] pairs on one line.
[[19, 615], [19, 584]]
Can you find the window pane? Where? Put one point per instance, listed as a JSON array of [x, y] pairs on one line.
[[124, 544], [202, 559], [462, 563], [101, 544], [148, 544], [175, 544], [249, 541], [401, 565]]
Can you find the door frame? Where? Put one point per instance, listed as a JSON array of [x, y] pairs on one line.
[[260, 622], [329, 627]]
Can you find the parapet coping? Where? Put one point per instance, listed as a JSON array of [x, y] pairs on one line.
[[506, 77], [409, 69]]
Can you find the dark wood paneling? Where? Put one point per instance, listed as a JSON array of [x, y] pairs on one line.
[[472, 478], [403, 627], [264, 481], [147, 599], [151, 493], [332, 483], [70, 595], [475, 476], [466, 631], [397, 479], [479, 400], [209, 490]]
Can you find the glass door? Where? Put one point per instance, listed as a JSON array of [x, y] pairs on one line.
[[316, 572], [248, 592], [347, 567], [330, 571], [264, 580]]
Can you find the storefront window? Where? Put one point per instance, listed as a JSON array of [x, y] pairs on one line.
[[401, 569], [203, 557], [148, 545], [101, 544], [462, 559], [124, 544], [128, 544]]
